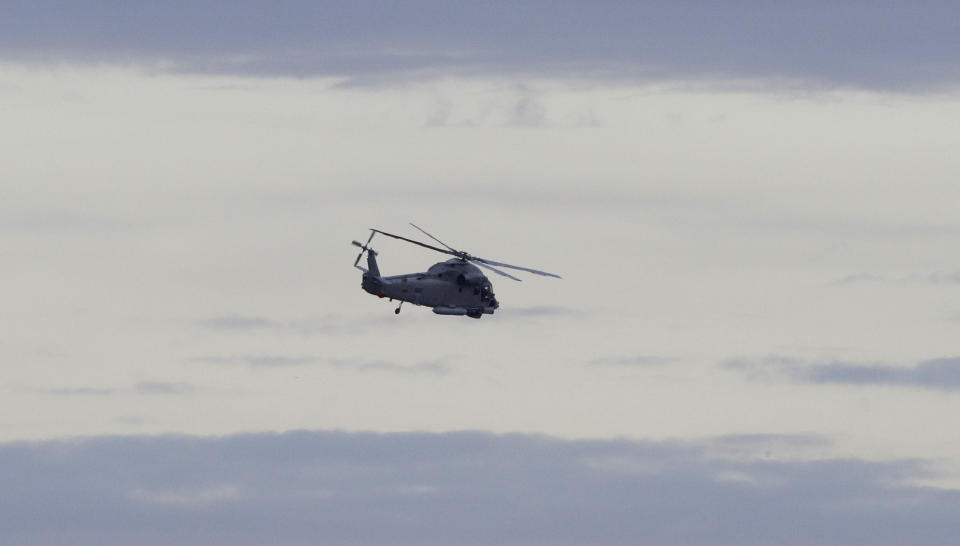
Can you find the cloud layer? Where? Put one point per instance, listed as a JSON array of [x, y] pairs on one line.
[[937, 373], [885, 45], [462, 488]]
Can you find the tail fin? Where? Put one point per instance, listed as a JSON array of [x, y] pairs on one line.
[[372, 268]]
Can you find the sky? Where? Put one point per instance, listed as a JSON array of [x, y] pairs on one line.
[[752, 207]]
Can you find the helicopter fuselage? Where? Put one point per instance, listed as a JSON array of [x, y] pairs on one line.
[[453, 287]]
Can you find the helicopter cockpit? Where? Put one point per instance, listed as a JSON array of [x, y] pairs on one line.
[[485, 292]]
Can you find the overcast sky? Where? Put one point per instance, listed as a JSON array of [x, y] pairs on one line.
[[753, 210]]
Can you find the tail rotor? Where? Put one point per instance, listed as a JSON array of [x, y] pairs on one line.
[[364, 248]]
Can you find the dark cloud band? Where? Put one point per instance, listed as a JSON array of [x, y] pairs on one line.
[[456, 488], [938, 373], [886, 45]]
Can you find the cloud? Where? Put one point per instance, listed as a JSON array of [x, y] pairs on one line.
[[187, 497], [363, 365], [462, 488], [937, 277], [143, 387], [240, 322], [860, 278], [259, 361], [638, 361], [76, 391], [938, 373], [521, 106], [161, 387], [64, 222], [528, 112], [863, 44], [438, 367], [304, 326], [539, 311], [766, 446]]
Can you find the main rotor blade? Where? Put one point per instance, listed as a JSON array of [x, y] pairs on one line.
[[527, 269], [434, 238], [425, 245], [495, 270]]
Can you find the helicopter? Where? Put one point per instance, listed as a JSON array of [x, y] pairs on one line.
[[454, 287]]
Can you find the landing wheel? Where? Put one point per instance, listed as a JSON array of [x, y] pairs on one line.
[[397, 310]]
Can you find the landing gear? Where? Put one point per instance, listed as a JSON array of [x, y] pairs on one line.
[[397, 310]]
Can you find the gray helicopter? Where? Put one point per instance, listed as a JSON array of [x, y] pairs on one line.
[[454, 287]]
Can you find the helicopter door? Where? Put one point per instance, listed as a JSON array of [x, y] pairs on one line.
[[417, 292]]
